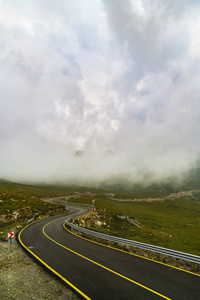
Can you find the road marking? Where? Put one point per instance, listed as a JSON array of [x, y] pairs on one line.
[[94, 262], [52, 270], [130, 253]]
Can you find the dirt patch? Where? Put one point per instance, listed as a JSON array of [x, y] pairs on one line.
[[171, 196]]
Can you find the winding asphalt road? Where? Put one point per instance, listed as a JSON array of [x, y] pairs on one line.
[[98, 272]]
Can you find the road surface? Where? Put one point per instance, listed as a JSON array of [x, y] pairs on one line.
[[98, 272]]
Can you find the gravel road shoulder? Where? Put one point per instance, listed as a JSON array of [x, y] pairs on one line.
[[22, 278]]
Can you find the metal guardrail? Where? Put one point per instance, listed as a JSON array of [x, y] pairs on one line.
[[142, 246], [172, 253], [30, 220], [72, 203]]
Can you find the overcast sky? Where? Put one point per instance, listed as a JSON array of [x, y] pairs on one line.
[[118, 80]]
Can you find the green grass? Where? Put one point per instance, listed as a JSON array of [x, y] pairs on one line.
[[16, 196], [172, 224], [26, 199]]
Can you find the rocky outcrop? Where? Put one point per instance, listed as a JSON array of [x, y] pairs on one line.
[[103, 219], [130, 220], [90, 222], [25, 213]]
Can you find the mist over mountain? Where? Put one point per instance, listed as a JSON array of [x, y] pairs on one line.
[[99, 91]]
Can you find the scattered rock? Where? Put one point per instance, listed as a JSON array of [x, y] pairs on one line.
[[130, 220], [98, 223], [19, 226], [120, 216], [82, 222], [16, 215]]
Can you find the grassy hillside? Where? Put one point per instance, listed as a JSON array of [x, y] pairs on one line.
[[172, 223], [26, 201]]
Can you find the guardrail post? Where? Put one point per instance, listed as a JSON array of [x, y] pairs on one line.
[[183, 264]]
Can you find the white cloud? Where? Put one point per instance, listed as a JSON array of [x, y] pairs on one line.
[[98, 76]]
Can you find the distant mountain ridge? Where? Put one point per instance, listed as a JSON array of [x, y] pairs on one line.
[[4, 180]]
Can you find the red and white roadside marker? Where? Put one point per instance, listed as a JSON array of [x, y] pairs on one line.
[[11, 238], [10, 234]]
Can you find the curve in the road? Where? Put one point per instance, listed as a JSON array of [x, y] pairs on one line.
[[143, 257], [47, 266], [98, 272], [100, 265]]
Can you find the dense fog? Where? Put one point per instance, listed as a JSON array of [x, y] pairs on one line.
[[95, 91]]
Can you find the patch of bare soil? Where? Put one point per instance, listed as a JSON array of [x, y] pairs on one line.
[[171, 196], [21, 278]]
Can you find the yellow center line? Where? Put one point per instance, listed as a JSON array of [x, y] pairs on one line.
[[94, 262], [146, 258], [51, 269]]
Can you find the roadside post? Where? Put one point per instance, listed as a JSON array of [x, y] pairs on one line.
[[93, 202], [10, 238]]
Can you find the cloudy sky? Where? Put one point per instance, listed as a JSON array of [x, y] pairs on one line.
[[118, 80]]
